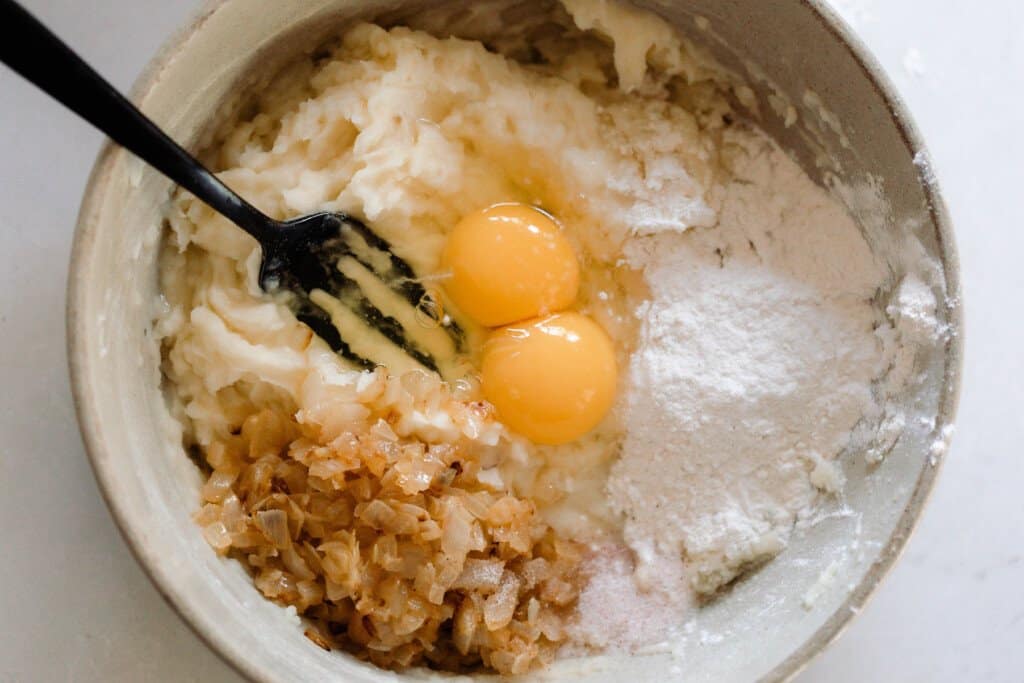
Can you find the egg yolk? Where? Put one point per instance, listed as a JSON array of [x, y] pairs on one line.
[[551, 379], [509, 262]]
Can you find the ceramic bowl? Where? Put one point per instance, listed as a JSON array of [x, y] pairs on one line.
[[850, 130]]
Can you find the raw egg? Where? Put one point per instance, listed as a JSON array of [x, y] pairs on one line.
[[551, 379], [509, 262]]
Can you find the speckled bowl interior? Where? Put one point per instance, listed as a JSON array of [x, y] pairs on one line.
[[769, 624]]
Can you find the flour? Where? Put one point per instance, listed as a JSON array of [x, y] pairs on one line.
[[913, 63], [756, 361], [821, 586]]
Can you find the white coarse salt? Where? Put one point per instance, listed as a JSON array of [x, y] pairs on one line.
[[656, 608]]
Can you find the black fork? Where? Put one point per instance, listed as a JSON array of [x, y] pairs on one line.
[[300, 255]]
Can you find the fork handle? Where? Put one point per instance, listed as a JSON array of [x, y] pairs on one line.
[[33, 51]]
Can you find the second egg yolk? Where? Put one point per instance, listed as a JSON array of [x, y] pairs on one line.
[[550, 379], [508, 263]]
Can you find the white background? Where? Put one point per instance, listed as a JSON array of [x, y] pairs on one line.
[[74, 606]]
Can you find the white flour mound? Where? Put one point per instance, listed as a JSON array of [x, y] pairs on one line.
[[756, 360]]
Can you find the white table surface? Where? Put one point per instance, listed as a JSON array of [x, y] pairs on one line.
[[74, 606]]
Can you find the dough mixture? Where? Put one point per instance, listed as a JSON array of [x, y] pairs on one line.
[[396, 511]]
